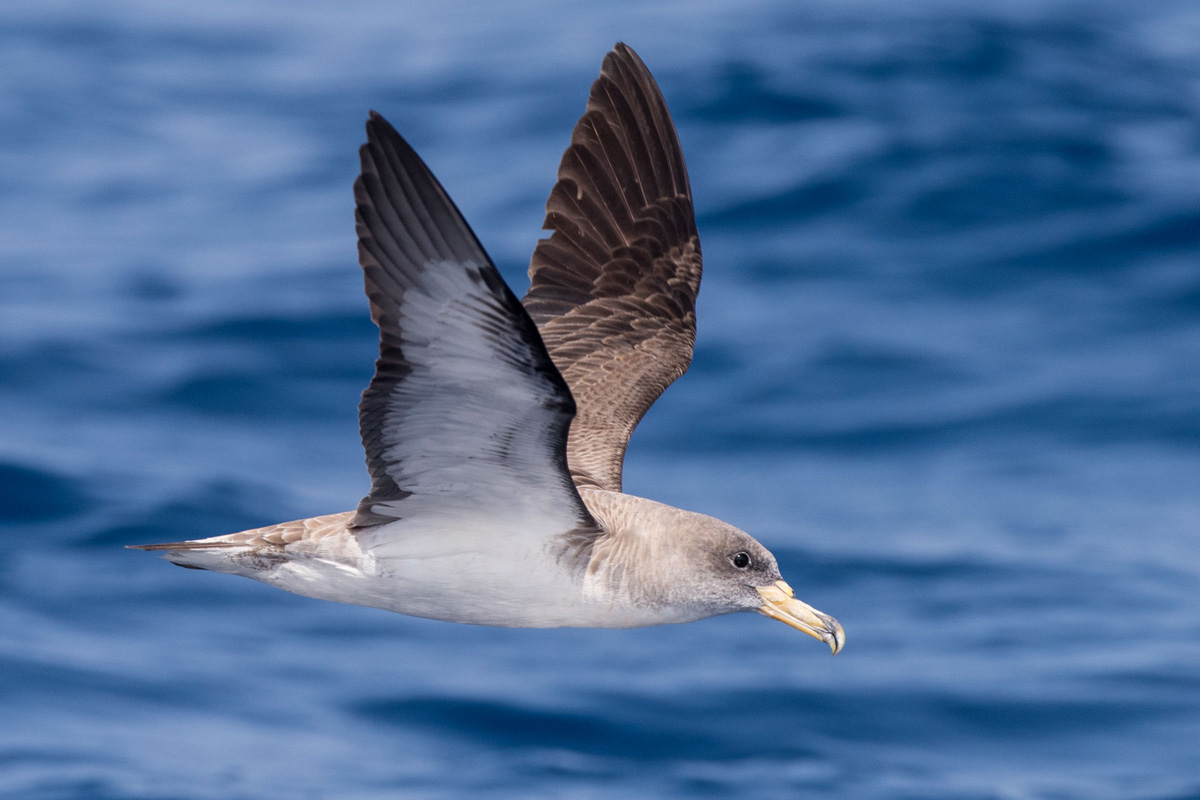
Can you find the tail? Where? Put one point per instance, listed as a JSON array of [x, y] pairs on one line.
[[197, 544], [187, 555], [250, 552]]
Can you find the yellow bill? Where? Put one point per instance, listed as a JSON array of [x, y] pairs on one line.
[[779, 602]]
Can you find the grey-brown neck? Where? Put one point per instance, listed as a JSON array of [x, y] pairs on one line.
[[670, 562]]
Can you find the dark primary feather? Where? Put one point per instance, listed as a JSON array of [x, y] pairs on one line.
[[613, 290], [436, 407]]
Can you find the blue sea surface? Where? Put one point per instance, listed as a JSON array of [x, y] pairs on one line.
[[948, 370]]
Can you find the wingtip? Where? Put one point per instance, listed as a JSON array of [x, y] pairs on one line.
[[381, 133], [376, 124], [378, 130], [626, 53]]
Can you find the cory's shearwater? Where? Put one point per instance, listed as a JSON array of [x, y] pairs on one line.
[[495, 429]]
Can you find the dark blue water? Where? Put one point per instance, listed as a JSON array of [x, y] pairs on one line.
[[948, 370]]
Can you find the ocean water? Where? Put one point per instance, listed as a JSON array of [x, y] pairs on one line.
[[948, 370]]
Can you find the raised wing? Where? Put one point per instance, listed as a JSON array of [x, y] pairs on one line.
[[466, 417], [613, 290]]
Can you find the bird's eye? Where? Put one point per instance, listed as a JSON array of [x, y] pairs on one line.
[[741, 560]]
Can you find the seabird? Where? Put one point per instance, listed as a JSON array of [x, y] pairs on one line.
[[495, 429]]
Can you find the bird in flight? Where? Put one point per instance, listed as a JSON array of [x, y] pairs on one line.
[[495, 428]]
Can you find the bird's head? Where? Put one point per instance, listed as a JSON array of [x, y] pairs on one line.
[[705, 567], [745, 576]]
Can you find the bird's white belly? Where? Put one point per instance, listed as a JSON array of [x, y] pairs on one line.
[[472, 583]]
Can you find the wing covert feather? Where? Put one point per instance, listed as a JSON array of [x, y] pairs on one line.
[[613, 289], [466, 416]]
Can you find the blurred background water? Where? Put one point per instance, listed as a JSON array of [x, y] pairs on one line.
[[948, 370]]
